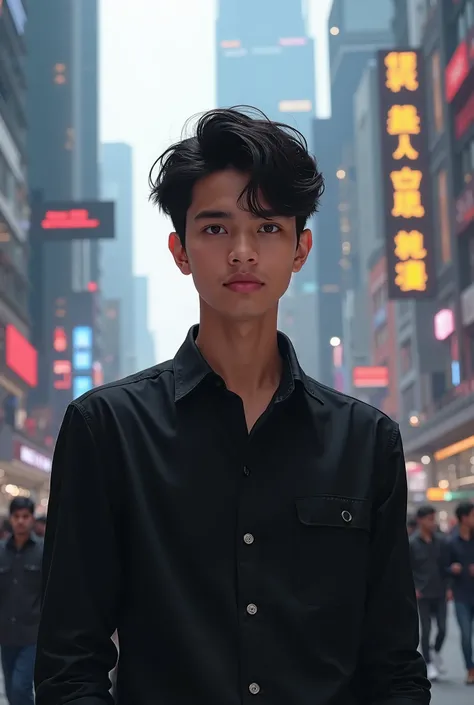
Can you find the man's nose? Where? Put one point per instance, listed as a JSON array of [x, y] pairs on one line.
[[244, 249]]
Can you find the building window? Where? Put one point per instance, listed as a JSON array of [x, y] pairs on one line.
[[381, 336], [408, 400], [406, 358], [444, 225], [437, 92]]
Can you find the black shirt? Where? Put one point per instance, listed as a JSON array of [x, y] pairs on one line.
[[428, 560], [270, 567], [20, 591]]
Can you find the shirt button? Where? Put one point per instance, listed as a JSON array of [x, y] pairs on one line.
[[252, 609], [347, 516], [15, 582], [254, 688], [13, 620], [246, 471], [248, 538]]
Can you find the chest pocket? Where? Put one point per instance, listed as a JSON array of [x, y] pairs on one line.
[[331, 548]]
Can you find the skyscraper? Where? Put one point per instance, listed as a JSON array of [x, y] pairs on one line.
[[266, 59], [117, 255], [144, 343]]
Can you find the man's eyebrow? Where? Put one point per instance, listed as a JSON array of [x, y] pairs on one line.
[[209, 214]]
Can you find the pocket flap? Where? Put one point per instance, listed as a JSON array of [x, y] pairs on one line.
[[325, 510]]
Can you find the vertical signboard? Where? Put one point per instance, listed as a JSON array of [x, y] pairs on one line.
[[406, 176]]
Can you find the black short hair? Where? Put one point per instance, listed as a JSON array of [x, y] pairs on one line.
[[411, 522], [274, 155], [463, 510], [22, 503], [425, 511], [41, 519]]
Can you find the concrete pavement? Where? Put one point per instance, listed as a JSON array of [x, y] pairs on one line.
[[451, 690]]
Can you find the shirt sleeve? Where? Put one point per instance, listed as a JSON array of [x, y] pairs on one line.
[[391, 671], [81, 574]]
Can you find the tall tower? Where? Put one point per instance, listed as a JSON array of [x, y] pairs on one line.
[[265, 58]]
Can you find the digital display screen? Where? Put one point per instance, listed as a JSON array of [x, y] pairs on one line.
[[73, 220], [82, 337], [82, 360], [81, 385]]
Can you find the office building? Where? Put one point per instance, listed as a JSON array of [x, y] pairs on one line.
[[117, 255], [25, 461], [438, 431], [355, 32], [144, 340], [62, 153], [265, 58]]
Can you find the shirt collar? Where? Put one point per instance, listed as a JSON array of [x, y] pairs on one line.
[[190, 369], [31, 539]]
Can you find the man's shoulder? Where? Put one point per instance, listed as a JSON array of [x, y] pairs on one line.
[[361, 413], [150, 384]]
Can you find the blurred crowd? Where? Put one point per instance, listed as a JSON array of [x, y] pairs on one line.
[[443, 571]]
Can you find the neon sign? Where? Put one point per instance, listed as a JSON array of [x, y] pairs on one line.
[[62, 371], [73, 220], [405, 173], [64, 220]]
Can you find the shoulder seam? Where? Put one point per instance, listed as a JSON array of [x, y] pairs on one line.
[[348, 396], [124, 383]]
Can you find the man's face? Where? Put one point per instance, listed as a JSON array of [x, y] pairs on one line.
[[22, 522], [241, 265], [469, 520], [428, 523]]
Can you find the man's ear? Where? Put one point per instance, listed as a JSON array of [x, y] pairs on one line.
[[303, 249], [176, 248]]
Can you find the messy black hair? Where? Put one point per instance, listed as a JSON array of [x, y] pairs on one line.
[[281, 170]]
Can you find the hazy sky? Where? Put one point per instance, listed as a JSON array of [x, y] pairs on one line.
[[157, 69]]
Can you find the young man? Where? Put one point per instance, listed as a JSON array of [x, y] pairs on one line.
[[428, 556], [20, 594], [265, 557], [461, 569]]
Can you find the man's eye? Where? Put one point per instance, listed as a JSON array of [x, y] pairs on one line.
[[269, 228], [215, 230]]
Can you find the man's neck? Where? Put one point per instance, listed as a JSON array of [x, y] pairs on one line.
[[244, 354], [426, 536], [465, 532], [21, 540]]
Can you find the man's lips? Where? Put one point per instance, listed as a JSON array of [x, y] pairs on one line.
[[244, 286], [243, 283]]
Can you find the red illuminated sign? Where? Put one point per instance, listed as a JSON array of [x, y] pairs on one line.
[[62, 371], [21, 356], [59, 340], [370, 377], [72, 220], [66, 220], [444, 324], [456, 71]]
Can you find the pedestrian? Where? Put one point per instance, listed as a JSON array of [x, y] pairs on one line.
[[461, 569], [20, 592], [428, 558], [266, 552], [40, 526], [412, 525]]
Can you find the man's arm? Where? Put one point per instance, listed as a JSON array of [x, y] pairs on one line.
[[390, 669], [80, 574]]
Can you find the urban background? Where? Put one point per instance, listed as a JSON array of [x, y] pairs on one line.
[[384, 309]]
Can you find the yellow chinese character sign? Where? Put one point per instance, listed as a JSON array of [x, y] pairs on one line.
[[405, 174]]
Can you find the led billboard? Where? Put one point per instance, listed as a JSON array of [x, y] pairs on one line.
[[406, 176], [73, 220]]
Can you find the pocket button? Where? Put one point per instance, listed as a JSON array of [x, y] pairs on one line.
[[347, 516]]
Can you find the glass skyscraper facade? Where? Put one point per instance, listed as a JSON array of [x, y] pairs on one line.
[[270, 66]]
